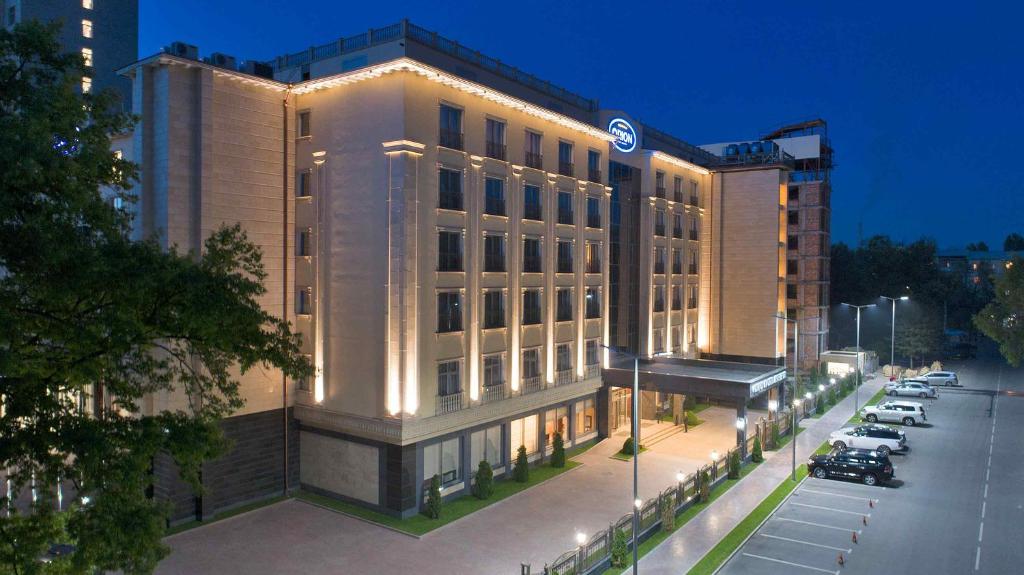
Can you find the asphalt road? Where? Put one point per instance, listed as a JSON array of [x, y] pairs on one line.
[[956, 506]]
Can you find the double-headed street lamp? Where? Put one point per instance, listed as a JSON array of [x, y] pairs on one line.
[[796, 369], [892, 339], [856, 386]]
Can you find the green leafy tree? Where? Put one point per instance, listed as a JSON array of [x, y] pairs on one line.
[[977, 247], [668, 513], [86, 310], [557, 451], [1013, 243], [918, 336], [433, 507], [734, 465], [483, 487], [819, 404], [832, 396], [775, 435], [756, 455], [704, 492], [521, 469], [620, 549], [1003, 318]]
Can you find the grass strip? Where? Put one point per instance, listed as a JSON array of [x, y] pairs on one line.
[[623, 457]]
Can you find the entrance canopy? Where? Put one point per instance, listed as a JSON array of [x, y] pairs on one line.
[[724, 380]]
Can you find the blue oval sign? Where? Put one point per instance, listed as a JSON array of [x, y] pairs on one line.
[[625, 135]]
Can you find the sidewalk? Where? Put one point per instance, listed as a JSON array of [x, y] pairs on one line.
[[684, 548]]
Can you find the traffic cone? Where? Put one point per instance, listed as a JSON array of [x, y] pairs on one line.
[[854, 538], [864, 520], [840, 560]]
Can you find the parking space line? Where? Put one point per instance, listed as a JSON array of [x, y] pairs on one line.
[[837, 495], [816, 524], [981, 531], [846, 549], [836, 572], [855, 486], [977, 558], [982, 509], [822, 507]]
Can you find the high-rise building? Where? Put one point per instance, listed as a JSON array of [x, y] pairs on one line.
[[104, 32]]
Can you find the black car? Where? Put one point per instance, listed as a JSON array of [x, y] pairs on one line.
[[864, 465]]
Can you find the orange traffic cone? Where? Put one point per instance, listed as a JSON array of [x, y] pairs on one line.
[[840, 560], [854, 538]]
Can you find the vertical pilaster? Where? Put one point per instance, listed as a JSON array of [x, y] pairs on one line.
[[514, 209], [473, 300]]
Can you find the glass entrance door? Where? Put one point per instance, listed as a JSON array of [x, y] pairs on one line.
[[622, 408]]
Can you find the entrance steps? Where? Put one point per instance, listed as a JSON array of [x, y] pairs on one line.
[[661, 435]]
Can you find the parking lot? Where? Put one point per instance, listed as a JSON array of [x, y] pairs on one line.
[[939, 515]]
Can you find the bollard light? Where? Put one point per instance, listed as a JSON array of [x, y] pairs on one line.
[[680, 477], [740, 423], [832, 380], [581, 538], [796, 403], [773, 405], [714, 456], [821, 387], [808, 395], [638, 503]]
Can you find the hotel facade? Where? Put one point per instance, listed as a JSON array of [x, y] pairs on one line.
[[467, 250]]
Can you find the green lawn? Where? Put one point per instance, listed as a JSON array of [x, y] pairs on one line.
[[687, 515], [230, 513], [623, 457], [699, 407], [721, 552], [452, 509]]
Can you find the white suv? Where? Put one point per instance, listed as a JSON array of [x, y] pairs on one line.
[[946, 378], [908, 413], [880, 438]]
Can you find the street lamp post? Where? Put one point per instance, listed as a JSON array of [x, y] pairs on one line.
[[635, 425], [856, 386], [796, 371], [892, 337]]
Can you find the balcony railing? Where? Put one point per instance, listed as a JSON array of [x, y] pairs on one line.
[[677, 268], [531, 265], [691, 304], [495, 207], [693, 270], [694, 201], [532, 212], [534, 160], [659, 230], [659, 191], [564, 266], [677, 233], [565, 217], [533, 384], [496, 150], [695, 235], [594, 221], [493, 393], [449, 403], [450, 201], [659, 267], [564, 377], [565, 168], [594, 175], [593, 370], [677, 196], [594, 266], [450, 139]]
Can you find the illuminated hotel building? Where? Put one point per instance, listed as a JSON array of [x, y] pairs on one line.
[[455, 240]]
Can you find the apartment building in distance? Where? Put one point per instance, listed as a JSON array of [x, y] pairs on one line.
[[104, 32], [462, 245]]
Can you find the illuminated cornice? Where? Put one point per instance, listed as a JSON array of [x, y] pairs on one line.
[[679, 162]]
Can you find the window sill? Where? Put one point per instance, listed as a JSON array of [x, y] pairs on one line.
[[451, 210], [308, 198]]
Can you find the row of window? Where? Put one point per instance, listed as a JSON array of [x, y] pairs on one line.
[[658, 345], [451, 136], [677, 297], [677, 190], [677, 261], [451, 197], [449, 308], [677, 225], [450, 254]]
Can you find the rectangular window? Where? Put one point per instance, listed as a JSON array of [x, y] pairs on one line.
[[691, 333], [449, 251], [793, 217], [586, 417], [677, 226], [593, 257], [87, 56], [794, 193], [304, 127], [563, 310], [533, 157], [677, 189], [86, 84], [485, 445], [531, 363], [659, 260], [659, 222], [87, 28], [531, 256], [495, 139], [565, 164], [494, 253], [494, 309], [677, 298], [694, 229], [449, 312], [443, 459], [590, 352], [593, 212], [594, 166], [792, 267], [659, 184], [303, 184], [523, 433], [451, 127], [564, 256], [694, 194], [659, 298], [494, 371], [791, 291], [565, 207], [691, 297], [531, 307], [556, 421], [677, 261], [449, 381], [693, 262], [495, 197], [304, 301], [303, 243], [792, 242], [87, 4], [449, 187], [531, 203], [563, 357], [593, 303]]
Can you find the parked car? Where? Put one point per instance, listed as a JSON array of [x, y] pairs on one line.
[[881, 438], [911, 387], [944, 378], [870, 467], [908, 413]]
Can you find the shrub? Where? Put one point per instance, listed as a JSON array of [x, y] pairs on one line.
[[819, 404], [775, 435], [484, 486], [734, 465], [668, 513], [705, 487], [521, 470], [558, 451], [627, 447], [832, 395], [620, 549], [756, 456], [692, 420], [433, 509]]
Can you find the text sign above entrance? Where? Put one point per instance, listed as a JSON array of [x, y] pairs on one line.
[[625, 135], [758, 387]]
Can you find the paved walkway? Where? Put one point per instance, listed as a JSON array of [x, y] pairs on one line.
[[534, 527], [680, 552]]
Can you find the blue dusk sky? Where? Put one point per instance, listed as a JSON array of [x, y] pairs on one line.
[[923, 101]]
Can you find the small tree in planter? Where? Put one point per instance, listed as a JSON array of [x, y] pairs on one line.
[[558, 451], [521, 470], [819, 404], [484, 486], [627, 447], [755, 455], [775, 435], [620, 549], [433, 509], [668, 513], [734, 465], [832, 396], [705, 486]]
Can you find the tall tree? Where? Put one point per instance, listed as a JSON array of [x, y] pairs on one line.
[[977, 247], [1014, 243], [918, 336], [1003, 318], [84, 308]]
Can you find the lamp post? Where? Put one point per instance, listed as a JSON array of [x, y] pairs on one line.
[[796, 409], [635, 430], [796, 369], [892, 337], [856, 385]]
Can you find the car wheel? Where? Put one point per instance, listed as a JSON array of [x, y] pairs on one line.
[[872, 418], [893, 393], [884, 450], [922, 395], [908, 421], [869, 479], [949, 383], [819, 472], [839, 445]]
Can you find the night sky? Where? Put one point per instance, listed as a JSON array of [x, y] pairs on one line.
[[923, 104]]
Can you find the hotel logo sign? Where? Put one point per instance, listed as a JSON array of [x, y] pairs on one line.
[[758, 387], [625, 135]]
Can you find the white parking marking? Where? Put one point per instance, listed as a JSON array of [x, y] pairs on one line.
[[816, 524], [847, 550], [791, 563], [829, 509], [985, 496], [854, 486], [982, 509], [837, 495], [981, 531], [977, 558]]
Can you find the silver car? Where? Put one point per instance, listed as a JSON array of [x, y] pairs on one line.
[[911, 388], [944, 378]]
